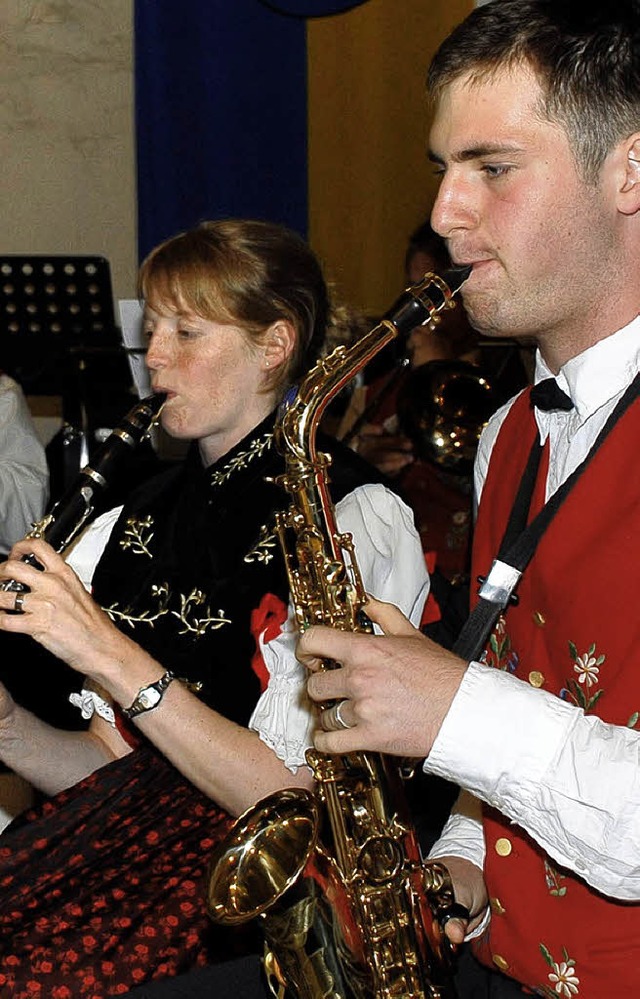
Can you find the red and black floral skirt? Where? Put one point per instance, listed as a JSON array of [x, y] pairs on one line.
[[103, 887]]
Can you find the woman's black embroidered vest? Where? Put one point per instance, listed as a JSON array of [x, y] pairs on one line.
[[193, 554]]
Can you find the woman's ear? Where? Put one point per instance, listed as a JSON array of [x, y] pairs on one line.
[[279, 343], [629, 190]]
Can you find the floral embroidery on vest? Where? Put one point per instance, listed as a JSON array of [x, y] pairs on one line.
[[499, 652], [160, 593], [554, 880], [264, 547], [187, 614], [242, 459], [137, 535], [198, 625], [587, 667], [564, 981]]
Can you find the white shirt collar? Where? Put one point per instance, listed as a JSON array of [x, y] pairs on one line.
[[598, 374]]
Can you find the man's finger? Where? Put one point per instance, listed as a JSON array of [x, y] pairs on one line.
[[329, 685], [389, 618], [319, 643], [455, 930]]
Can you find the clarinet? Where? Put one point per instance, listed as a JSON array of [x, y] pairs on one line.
[[74, 508]]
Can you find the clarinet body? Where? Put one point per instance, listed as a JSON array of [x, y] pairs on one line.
[[74, 508], [348, 908]]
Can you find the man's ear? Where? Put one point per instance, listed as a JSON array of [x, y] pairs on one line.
[[629, 189], [279, 343]]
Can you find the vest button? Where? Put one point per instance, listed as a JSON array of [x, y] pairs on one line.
[[536, 679], [539, 619], [500, 962], [497, 908], [503, 847]]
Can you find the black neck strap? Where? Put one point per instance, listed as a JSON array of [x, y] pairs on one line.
[[521, 540]]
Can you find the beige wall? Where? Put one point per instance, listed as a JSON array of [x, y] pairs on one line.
[[66, 131], [370, 182], [67, 135]]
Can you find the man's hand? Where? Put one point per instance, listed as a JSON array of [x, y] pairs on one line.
[[469, 890], [395, 688]]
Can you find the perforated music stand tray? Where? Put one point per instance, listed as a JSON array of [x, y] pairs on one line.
[[58, 339], [52, 308]]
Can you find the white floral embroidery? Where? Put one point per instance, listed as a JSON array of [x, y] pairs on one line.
[[564, 979], [586, 667]]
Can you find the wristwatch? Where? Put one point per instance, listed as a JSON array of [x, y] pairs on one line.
[[149, 697]]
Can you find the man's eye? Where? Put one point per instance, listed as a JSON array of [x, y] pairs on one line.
[[187, 334], [496, 169]]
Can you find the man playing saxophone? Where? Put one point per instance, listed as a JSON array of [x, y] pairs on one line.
[[536, 137]]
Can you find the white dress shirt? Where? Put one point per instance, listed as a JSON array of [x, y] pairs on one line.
[[571, 781], [24, 474]]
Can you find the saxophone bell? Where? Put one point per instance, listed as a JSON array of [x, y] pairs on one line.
[[265, 854]]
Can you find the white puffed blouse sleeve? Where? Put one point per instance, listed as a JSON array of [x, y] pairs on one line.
[[390, 557]]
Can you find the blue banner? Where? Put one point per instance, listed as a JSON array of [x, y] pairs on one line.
[[221, 115], [312, 8]]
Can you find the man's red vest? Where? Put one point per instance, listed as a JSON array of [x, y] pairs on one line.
[[575, 633]]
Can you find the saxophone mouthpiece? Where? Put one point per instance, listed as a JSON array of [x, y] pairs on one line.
[[456, 276], [421, 302]]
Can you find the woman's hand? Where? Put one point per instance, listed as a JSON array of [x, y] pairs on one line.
[[57, 611]]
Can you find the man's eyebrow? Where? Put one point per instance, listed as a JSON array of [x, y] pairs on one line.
[[476, 152]]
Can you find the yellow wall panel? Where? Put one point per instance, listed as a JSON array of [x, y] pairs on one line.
[[370, 182]]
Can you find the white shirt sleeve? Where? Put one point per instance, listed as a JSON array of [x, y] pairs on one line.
[[463, 836], [24, 474], [85, 552], [590, 826], [391, 561]]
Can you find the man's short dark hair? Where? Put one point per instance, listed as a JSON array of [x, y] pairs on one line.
[[585, 54]]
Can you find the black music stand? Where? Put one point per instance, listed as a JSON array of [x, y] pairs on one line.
[[58, 338]]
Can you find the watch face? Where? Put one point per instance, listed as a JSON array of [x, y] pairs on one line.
[[149, 698]]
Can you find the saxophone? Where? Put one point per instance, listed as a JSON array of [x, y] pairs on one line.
[[74, 508], [348, 908]]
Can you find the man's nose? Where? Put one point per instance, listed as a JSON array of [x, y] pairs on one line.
[[453, 208]]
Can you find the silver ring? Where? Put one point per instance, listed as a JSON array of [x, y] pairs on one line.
[[337, 715], [18, 603]]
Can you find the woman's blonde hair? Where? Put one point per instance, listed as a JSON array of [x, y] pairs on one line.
[[247, 273]]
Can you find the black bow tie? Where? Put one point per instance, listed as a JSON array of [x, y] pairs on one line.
[[548, 395]]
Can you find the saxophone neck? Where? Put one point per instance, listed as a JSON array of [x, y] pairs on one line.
[[302, 411]]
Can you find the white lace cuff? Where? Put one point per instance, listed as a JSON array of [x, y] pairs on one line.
[[91, 703]]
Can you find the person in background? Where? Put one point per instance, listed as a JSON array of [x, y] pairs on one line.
[[536, 136], [24, 476], [185, 643], [425, 416]]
